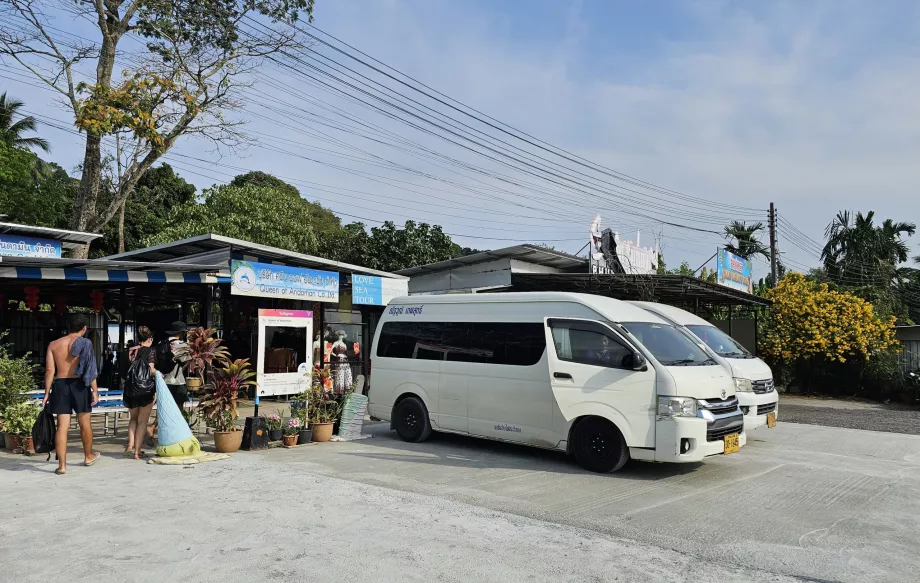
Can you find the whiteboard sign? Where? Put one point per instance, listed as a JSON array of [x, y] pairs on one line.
[[284, 350]]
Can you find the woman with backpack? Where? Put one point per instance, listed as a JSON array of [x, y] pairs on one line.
[[140, 390]]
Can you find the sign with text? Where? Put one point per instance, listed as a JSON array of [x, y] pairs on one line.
[[285, 358], [734, 271], [19, 246], [264, 280], [368, 290]]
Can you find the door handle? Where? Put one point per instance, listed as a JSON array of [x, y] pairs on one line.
[[562, 375]]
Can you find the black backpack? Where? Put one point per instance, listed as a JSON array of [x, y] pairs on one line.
[[165, 362], [43, 433], [139, 380]]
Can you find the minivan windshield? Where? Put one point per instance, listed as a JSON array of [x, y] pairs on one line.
[[720, 342], [668, 345]]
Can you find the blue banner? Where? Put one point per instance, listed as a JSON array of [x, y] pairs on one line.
[[264, 280], [19, 246], [368, 290], [734, 271]]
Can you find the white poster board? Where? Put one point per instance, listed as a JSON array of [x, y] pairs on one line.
[[284, 348]]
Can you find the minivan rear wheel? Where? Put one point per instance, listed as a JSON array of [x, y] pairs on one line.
[[410, 419], [599, 446]]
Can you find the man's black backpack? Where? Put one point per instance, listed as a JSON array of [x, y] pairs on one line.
[[43, 433], [165, 363]]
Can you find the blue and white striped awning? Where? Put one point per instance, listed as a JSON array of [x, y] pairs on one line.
[[102, 270]]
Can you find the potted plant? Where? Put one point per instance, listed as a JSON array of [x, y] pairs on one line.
[[218, 403], [291, 431], [301, 410], [273, 425], [16, 378], [324, 408], [201, 351], [18, 421]]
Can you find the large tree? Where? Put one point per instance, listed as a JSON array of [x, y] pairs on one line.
[[324, 222], [32, 191], [744, 241], [859, 252], [13, 126], [196, 55], [388, 247]]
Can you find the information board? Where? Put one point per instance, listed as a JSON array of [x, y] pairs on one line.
[[284, 352], [369, 290], [19, 246], [734, 271], [265, 280]]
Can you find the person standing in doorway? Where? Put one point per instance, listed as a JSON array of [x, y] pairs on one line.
[[70, 387], [172, 370]]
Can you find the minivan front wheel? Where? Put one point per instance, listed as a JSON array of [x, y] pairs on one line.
[[410, 419], [599, 446]]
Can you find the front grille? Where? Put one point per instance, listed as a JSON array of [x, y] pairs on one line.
[[761, 387], [722, 427], [719, 406], [764, 409]]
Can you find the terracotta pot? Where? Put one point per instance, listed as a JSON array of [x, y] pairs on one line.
[[304, 436], [25, 442], [228, 441], [8, 441], [274, 435], [321, 431], [290, 440]]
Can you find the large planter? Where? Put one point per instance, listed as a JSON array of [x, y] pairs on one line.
[[304, 436], [321, 431], [228, 441], [23, 444], [274, 435], [290, 440]]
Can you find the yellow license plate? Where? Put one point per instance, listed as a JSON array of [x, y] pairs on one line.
[[732, 444], [771, 419]]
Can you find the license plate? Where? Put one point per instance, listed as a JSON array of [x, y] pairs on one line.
[[732, 445], [771, 419]]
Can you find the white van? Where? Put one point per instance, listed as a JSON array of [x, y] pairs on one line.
[[616, 382], [752, 376]]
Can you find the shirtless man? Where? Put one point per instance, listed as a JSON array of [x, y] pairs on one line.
[[67, 393]]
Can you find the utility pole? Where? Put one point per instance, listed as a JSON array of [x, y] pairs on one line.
[[771, 222]]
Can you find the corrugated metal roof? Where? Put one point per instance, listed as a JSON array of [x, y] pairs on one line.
[[68, 239], [202, 244], [106, 264], [529, 253]]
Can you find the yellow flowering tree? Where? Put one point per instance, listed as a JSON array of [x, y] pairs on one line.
[[810, 322]]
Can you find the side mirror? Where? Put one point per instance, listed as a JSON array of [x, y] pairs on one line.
[[635, 361]]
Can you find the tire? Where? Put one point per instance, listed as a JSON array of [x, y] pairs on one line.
[[410, 419], [599, 446]]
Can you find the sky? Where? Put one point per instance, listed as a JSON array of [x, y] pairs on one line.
[[810, 105]]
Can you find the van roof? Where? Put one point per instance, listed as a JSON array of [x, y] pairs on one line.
[[622, 311], [682, 317]]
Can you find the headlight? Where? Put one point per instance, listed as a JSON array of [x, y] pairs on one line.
[[743, 385], [677, 407]]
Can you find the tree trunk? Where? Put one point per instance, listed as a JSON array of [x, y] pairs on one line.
[[121, 228]]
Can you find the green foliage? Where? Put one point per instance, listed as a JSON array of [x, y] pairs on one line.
[[19, 418], [746, 243], [218, 403], [265, 215], [12, 130], [390, 248], [147, 211], [323, 220], [684, 269], [32, 191], [16, 376]]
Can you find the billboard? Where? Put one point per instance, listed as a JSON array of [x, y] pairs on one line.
[[19, 246], [734, 271], [264, 280], [368, 290]]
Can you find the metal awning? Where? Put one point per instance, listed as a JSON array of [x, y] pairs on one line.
[[676, 290], [528, 253], [103, 270], [68, 239]]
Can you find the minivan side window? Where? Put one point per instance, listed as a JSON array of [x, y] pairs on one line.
[[505, 343], [587, 344]]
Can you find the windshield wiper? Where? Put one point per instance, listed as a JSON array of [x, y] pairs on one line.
[[680, 361]]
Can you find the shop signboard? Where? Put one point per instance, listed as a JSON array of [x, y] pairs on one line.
[[19, 246], [734, 271], [285, 358], [264, 280], [368, 290]]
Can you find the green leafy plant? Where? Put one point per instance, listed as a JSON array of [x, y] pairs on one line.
[[16, 376], [272, 422], [293, 426], [201, 351], [324, 405], [19, 418], [219, 401]]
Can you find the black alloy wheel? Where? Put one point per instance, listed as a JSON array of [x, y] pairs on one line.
[[410, 419], [599, 446]]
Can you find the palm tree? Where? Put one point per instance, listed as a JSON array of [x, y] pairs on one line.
[[745, 242], [858, 252], [11, 133]]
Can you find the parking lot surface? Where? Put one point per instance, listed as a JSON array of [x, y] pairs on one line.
[[799, 503]]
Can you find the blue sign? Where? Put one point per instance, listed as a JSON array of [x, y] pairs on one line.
[[264, 280], [734, 271], [18, 246], [376, 291]]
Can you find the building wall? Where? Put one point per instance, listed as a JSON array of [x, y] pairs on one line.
[[910, 343]]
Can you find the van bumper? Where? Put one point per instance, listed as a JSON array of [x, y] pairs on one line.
[[670, 432], [380, 412], [757, 406]]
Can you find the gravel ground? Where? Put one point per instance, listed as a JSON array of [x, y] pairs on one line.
[[850, 415]]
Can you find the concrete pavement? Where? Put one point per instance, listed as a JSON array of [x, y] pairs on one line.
[[821, 504]]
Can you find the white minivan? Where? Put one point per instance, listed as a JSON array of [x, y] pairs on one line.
[[589, 375], [752, 377]]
